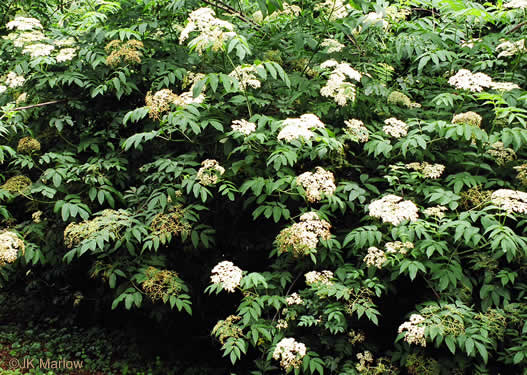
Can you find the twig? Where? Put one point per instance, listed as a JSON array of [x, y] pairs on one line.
[[234, 12], [317, 48], [40, 104], [352, 40], [518, 26], [287, 292]]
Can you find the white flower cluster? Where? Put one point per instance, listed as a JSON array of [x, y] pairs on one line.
[[396, 14], [66, 54], [67, 42], [399, 99], [294, 128], [398, 247], [227, 274], [3, 89], [470, 118], [294, 299], [27, 33], [374, 18], [209, 171], [414, 334], [355, 337], [24, 24], [465, 79], [522, 173], [516, 4], [504, 86], [21, 98], [191, 79], [357, 130], [428, 170], [302, 238], [332, 45], [393, 209], [14, 80], [288, 10], [437, 211], [365, 359], [316, 184], [38, 49], [312, 223], [396, 128], [21, 39], [281, 324], [258, 16], [375, 257], [337, 86], [243, 126], [10, 246], [315, 277], [36, 216], [335, 8], [160, 101], [187, 98], [246, 76], [290, 353], [213, 31], [510, 200], [509, 48], [500, 153], [476, 82]]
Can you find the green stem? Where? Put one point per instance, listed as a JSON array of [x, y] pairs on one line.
[[317, 48], [65, 140], [244, 89], [35, 200], [473, 249]]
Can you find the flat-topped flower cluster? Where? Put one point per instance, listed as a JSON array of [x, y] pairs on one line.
[[296, 128], [338, 87], [356, 129], [28, 35], [428, 170], [290, 353], [510, 200], [394, 127], [227, 274], [315, 277], [213, 32], [302, 238], [413, 332], [477, 82], [246, 76], [243, 126], [10, 247], [377, 257], [209, 172], [393, 209], [318, 184]]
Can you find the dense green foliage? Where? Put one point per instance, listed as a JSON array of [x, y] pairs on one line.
[[361, 164]]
